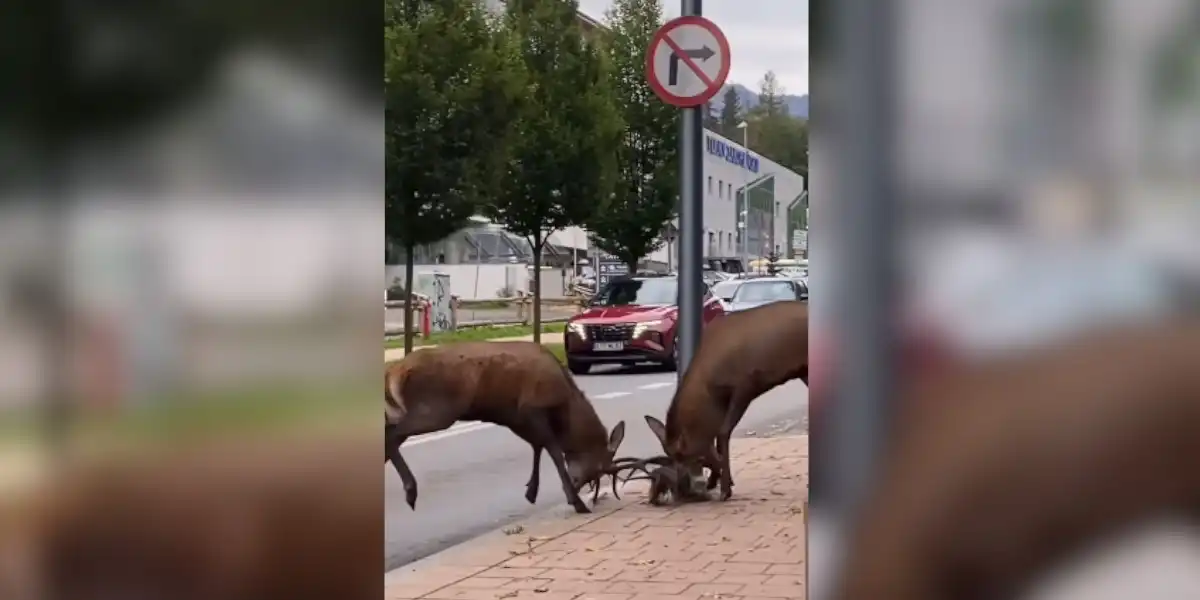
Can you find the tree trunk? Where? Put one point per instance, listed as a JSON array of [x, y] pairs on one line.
[[631, 265], [408, 286], [537, 289]]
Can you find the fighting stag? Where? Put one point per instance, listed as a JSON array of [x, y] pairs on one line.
[[517, 385], [742, 356]]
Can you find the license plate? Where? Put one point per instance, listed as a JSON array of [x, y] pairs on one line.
[[609, 346]]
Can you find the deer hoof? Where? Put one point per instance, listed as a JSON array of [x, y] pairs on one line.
[[531, 495], [410, 496], [726, 492], [581, 508]]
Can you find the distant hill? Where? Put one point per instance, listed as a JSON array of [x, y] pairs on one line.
[[797, 105]]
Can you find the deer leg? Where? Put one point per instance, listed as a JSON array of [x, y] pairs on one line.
[[714, 474], [391, 442], [737, 408], [540, 422], [415, 422], [535, 474]]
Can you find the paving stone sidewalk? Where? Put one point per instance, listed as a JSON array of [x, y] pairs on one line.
[[749, 548]]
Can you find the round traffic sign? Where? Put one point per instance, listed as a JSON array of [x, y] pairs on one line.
[[687, 61]]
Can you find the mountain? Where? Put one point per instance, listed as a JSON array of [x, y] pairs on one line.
[[797, 105]]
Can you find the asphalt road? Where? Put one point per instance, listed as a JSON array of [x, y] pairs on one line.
[[472, 476]]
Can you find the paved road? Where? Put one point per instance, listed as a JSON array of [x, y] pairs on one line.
[[473, 476]]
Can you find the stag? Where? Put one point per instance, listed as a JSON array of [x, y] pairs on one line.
[[517, 385], [742, 356], [1000, 470]]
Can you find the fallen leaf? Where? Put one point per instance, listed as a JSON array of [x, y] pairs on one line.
[[541, 590], [507, 595], [514, 530]]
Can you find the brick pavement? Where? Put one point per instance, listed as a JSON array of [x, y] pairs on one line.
[[749, 548]]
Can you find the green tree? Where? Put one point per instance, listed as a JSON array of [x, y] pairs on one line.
[[563, 162], [732, 114], [712, 117], [453, 84], [770, 97], [648, 156], [776, 134]]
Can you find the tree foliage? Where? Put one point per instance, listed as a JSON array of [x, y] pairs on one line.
[[648, 156], [732, 114], [776, 134], [453, 85], [562, 166]]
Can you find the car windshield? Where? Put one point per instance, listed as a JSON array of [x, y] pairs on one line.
[[726, 289], [639, 291], [765, 291]]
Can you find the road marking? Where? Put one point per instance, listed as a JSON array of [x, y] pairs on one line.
[[453, 430], [610, 395], [655, 386]]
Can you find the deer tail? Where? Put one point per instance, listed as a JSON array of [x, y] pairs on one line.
[[393, 407]]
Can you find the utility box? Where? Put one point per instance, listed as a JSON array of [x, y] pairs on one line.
[[437, 287]]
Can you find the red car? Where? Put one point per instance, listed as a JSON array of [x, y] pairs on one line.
[[632, 320]]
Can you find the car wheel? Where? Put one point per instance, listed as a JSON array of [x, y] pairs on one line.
[[578, 368], [672, 363]]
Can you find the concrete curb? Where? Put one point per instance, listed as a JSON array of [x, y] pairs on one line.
[[398, 353]]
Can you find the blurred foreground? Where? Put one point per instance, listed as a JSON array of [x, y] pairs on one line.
[[190, 236], [998, 182]]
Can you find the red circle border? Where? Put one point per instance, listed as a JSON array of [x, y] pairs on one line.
[[718, 81]]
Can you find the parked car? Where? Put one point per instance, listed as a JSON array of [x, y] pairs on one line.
[[724, 291], [632, 320], [757, 292]]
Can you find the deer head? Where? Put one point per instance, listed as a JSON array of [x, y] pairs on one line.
[[589, 466]]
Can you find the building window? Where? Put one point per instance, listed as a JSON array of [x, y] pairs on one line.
[[730, 188], [720, 189], [777, 209], [710, 185]]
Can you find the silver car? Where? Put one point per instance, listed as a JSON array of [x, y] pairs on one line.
[[757, 292]]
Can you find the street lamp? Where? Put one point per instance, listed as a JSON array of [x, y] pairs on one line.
[[744, 213]]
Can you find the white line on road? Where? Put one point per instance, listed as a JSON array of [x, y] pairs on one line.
[[453, 430], [610, 395], [655, 386]]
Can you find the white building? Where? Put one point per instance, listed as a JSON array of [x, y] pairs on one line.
[[776, 202]]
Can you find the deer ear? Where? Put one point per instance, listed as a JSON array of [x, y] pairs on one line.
[[616, 437], [658, 429]]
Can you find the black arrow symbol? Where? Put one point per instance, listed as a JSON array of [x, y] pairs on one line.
[[704, 53]]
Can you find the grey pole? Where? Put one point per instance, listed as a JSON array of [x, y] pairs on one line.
[[691, 222], [867, 203]]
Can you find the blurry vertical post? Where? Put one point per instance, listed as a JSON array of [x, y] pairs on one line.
[[865, 210]]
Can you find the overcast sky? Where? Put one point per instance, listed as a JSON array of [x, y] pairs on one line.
[[763, 35]]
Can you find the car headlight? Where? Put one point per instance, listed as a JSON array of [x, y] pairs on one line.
[[645, 326], [577, 329]]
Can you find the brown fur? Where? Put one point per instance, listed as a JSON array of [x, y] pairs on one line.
[[263, 520], [999, 471], [742, 356], [518, 385]]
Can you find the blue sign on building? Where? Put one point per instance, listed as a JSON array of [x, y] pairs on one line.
[[731, 154]]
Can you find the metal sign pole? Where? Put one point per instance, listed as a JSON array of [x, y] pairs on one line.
[[691, 221]]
